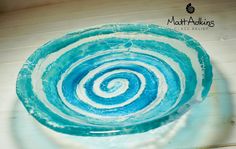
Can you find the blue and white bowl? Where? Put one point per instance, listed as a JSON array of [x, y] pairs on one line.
[[114, 79]]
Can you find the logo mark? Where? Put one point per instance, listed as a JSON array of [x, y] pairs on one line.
[[190, 9]]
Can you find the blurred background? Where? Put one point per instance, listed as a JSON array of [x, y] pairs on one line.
[[25, 25]]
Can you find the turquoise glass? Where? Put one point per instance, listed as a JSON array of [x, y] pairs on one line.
[[114, 79]]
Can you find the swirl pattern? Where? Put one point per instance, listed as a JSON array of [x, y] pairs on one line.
[[114, 79]]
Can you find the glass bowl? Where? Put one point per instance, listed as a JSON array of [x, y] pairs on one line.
[[114, 79]]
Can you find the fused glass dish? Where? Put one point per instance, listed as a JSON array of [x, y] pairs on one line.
[[114, 79]]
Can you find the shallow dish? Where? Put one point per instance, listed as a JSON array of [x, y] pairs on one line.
[[114, 79]]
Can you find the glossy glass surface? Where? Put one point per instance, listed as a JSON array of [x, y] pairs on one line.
[[114, 79]]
